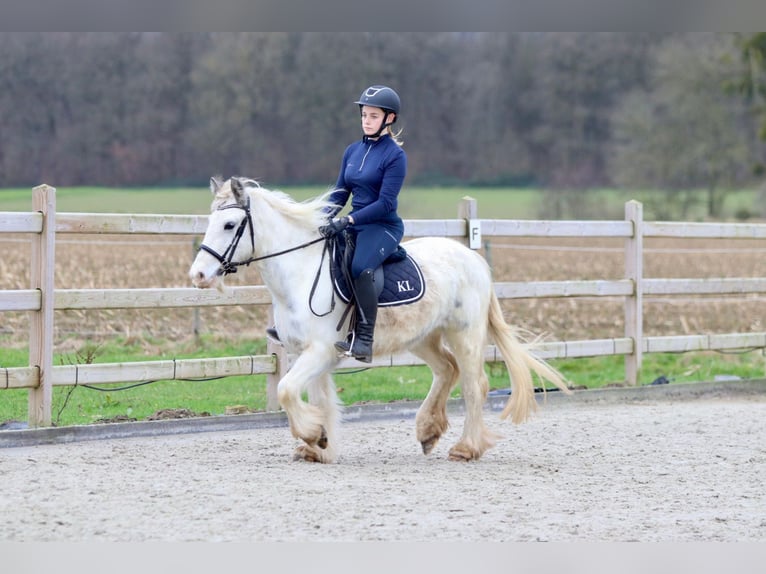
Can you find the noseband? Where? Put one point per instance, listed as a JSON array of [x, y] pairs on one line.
[[225, 259]]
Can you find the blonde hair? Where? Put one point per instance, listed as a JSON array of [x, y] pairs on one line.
[[395, 135]]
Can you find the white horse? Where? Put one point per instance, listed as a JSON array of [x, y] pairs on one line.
[[448, 327]]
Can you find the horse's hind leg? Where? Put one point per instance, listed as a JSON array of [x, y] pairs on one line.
[[431, 421], [476, 438]]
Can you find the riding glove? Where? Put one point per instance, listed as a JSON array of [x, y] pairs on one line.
[[334, 227]]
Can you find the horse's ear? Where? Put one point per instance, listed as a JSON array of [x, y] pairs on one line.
[[215, 185], [238, 190]]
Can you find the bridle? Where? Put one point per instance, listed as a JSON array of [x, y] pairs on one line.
[[225, 259], [228, 266]]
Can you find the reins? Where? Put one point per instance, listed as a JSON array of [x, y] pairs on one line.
[[329, 247], [270, 255], [229, 267]]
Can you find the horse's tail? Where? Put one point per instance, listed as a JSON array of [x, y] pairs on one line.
[[521, 364]]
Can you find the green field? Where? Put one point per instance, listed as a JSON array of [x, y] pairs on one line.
[[83, 405], [419, 203], [414, 202]]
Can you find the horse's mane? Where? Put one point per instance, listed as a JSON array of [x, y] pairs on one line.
[[310, 213]]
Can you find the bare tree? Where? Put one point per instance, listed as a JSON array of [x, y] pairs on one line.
[[478, 108], [685, 133]]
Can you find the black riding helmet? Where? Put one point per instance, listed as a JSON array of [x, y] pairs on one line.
[[384, 98], [381, 97]]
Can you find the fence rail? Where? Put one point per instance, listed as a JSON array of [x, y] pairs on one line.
[[44, 224]]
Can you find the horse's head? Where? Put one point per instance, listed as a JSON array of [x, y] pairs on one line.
[[229, 236], [250, 223]]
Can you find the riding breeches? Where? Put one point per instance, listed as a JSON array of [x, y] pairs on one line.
[[374, 244]]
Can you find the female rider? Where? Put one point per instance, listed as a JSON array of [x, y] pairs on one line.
[[372, 173]]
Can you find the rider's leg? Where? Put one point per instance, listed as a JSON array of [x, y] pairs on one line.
[[367, 305], [366, 314], [374, 243]]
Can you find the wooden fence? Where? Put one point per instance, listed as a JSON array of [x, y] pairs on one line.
[[41, 299]]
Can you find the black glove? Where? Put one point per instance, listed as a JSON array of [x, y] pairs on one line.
[[334, 227]]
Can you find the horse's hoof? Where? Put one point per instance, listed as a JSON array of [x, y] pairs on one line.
[[461, 454], [305, 453], [322, 442], [429, 444], [458, 457]]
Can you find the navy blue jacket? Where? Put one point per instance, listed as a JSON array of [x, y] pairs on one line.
[[372, 172]]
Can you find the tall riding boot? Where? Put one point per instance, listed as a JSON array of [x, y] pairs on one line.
[[367, 312]]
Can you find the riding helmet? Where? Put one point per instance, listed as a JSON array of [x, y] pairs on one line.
[[380, 97]]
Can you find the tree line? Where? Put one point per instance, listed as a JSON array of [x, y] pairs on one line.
[[554, 110]]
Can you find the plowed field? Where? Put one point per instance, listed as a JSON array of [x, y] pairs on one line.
[[96, 262]]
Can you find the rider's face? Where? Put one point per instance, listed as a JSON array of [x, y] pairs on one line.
[[372, 118]]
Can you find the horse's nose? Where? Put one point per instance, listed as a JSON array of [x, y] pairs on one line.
[[197, 278]]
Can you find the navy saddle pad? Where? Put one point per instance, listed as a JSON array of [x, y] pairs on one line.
[[403, 281]]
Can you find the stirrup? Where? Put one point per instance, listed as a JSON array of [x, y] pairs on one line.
[[344, 346], [351, 348]]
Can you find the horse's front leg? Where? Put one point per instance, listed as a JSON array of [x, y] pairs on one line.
[[312, 423]]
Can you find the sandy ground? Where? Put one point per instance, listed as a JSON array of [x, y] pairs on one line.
[[666, 470]]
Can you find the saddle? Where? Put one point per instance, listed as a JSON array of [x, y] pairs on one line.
[[398, 280]]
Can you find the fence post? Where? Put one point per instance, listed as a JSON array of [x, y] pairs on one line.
[[196, 321], [634, 270], [42, 268], [272, 379], [468, 210]]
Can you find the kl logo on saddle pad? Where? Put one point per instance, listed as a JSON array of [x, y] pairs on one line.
[[403, 282]]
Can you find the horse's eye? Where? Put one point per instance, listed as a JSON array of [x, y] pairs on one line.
[[229, 226]]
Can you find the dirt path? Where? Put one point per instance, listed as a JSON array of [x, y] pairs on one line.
[[664, 470]]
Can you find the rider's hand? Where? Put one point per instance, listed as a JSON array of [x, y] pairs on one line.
[[334, 227]]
